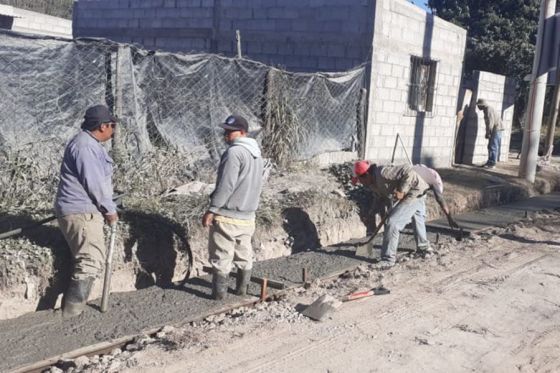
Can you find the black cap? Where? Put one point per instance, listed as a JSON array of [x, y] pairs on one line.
[[96, 115], [235, 123]]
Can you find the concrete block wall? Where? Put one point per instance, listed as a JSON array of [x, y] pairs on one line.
[[499, 91], [402, 30], [299, 35], [37, 23]]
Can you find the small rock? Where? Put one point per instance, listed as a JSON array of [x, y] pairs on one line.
[[115, 366], [132, 347], [66, 364], [340, 193], [322, 307], [423, 341], [55, 370], [116, 351], [81, 361], [167, 329]]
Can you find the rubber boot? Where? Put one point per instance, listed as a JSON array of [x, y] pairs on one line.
[[243, 279], [76, 297], [219, 285]]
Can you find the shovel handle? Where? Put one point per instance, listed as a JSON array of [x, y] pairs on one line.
[[108, 269]]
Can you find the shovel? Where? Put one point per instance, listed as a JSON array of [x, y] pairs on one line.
[[108, 269], [365, 248]]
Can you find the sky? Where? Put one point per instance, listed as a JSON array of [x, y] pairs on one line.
[[420, 3]]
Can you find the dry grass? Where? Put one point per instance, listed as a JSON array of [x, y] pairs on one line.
[[282, 128]]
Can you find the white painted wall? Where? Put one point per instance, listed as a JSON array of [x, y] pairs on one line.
[[37, 23]]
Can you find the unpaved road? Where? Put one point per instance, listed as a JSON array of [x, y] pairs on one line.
[[487, 304]]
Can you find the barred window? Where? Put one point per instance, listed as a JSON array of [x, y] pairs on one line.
[[422, 87]]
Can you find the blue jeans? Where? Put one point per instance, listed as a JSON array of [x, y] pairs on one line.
[[494, 145], [415, 209]]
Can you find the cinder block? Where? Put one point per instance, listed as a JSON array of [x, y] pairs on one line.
[[282, 13], [390, 82], [188, 3], [343, 64], [240, 13], [283, 25], [336, 51]]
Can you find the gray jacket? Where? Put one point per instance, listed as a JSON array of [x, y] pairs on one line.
[[239, 182], [85, 178], [492, 120]]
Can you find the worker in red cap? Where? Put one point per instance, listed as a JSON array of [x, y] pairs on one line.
[[403, 184]]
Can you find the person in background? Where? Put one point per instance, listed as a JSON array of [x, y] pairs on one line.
[[494, 130]]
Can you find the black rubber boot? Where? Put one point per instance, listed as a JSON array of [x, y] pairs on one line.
[[76, 297], [219, 285], [243, 279]]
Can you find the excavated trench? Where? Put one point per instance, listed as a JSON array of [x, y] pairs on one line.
[[299, 212]]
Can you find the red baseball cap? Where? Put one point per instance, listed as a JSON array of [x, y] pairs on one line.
[[360, 169]]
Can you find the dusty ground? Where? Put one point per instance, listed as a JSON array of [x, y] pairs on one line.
[[487, 304]]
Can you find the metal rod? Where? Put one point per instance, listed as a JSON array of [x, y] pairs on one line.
[[404, 149], [395, 149], [304, 275], [108, 269]]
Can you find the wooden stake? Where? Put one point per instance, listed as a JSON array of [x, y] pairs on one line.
[[264, 288]]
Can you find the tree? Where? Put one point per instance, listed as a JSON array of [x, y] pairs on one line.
[[501, 33], [57, 8], [501, 36]]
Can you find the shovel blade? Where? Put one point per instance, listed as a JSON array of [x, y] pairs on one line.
[[365, 250]]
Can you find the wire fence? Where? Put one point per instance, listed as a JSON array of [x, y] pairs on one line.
[[169, 106]]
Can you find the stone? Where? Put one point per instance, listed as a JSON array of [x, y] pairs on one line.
[[167, 329], [81, 361], [324, 306]]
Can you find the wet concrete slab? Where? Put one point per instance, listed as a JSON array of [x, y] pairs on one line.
[[499, 216], [37, 336]]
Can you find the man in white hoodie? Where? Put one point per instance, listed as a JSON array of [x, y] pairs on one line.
[[231, 215]]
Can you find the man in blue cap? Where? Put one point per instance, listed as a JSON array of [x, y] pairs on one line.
[[231, 215], [84, 202]]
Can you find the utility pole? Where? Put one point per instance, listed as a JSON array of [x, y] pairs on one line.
[[555, 108], [535, 107]]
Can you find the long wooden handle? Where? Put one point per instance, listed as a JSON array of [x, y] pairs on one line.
[[108, 269]]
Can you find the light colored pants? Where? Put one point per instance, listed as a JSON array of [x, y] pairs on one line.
[[84, 235], [230, 244], [415, 209]]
